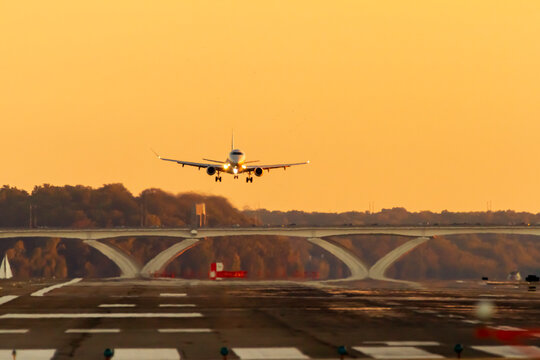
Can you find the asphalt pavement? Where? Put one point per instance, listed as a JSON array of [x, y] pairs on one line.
[[179, 319]]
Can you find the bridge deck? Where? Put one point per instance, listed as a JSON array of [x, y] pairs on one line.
[[312, 232]]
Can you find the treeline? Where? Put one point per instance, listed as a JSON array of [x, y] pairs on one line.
[[272, 257], [114, 206], [394, 216], [109, 206], [452, 257], [264, 257], [55, 258]]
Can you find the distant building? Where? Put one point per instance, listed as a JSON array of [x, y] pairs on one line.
[[514, 276], [199, 215]]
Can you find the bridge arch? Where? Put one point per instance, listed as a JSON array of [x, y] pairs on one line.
[[130, 268]]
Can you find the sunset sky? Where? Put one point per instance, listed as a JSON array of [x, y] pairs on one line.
[[429, 105]]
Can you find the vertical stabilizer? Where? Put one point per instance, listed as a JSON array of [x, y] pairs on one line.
[[232, 141], [5, 269]]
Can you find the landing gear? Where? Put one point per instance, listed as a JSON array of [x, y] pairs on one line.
[[249, 179], [236, 176], [218, 178]]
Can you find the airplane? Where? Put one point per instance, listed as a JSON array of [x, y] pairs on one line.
[[235, 164]]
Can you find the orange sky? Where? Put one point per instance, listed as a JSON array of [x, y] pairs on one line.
[[422, 104]]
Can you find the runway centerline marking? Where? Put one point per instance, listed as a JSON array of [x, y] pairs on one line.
[[405, 343], [176, 305], [269, 353], [508, 351], [173, 294], [14, 331], [53, 287], [7, 298], [170, 331], [92, 331], [116, 305], [396, 352], [145, 354], [35, 354], [99, 315]]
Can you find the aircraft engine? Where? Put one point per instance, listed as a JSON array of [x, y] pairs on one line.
[[210, 170], [258, 171]]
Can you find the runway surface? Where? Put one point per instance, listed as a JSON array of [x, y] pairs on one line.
[[175, 319]]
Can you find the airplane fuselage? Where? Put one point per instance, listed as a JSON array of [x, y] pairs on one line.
[[234, 163]]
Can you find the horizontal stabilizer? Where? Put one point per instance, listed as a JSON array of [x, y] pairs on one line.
[[216, 161]]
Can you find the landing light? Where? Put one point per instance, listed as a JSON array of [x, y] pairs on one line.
[[235, 170], [243, 166], [226, 166]]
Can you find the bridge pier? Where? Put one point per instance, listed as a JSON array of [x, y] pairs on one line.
[[358, 270], [128, 267], [378, 270], [166, 256]]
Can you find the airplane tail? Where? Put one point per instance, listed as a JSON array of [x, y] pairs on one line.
[[232, 141]]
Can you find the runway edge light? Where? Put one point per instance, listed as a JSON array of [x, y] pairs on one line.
[[224, 352], [458, 349], [108, 353], [342, 351]]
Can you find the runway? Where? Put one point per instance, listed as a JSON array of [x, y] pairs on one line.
[[176, 319]]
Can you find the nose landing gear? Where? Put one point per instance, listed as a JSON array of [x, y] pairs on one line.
[[218, 178]]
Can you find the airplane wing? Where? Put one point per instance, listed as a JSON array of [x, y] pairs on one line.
[[188, 163], [215, 161], [274, 166]]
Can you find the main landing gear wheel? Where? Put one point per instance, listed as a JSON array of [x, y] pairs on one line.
[[218, 178], [249, 179]]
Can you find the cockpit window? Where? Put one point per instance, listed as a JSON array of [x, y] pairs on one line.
[[237, 153]]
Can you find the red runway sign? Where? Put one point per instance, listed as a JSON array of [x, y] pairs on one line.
[[217, 272]]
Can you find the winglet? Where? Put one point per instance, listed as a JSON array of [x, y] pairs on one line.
[[159, 157]]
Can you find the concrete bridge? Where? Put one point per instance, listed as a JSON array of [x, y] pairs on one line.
[[315, 235]]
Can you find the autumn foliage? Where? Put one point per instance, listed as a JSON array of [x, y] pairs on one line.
[[263, 257]]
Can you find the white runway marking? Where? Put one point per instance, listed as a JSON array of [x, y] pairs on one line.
[[36, 354], [176, 305], [13, 331], [7, 298], [269, 353], [145, 354], [506, 328], [98, 315], [92, 331], [165, 331], [173, 294], [514, 352], [405, 343], [396, 352], [116, 305], [50, 288]]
